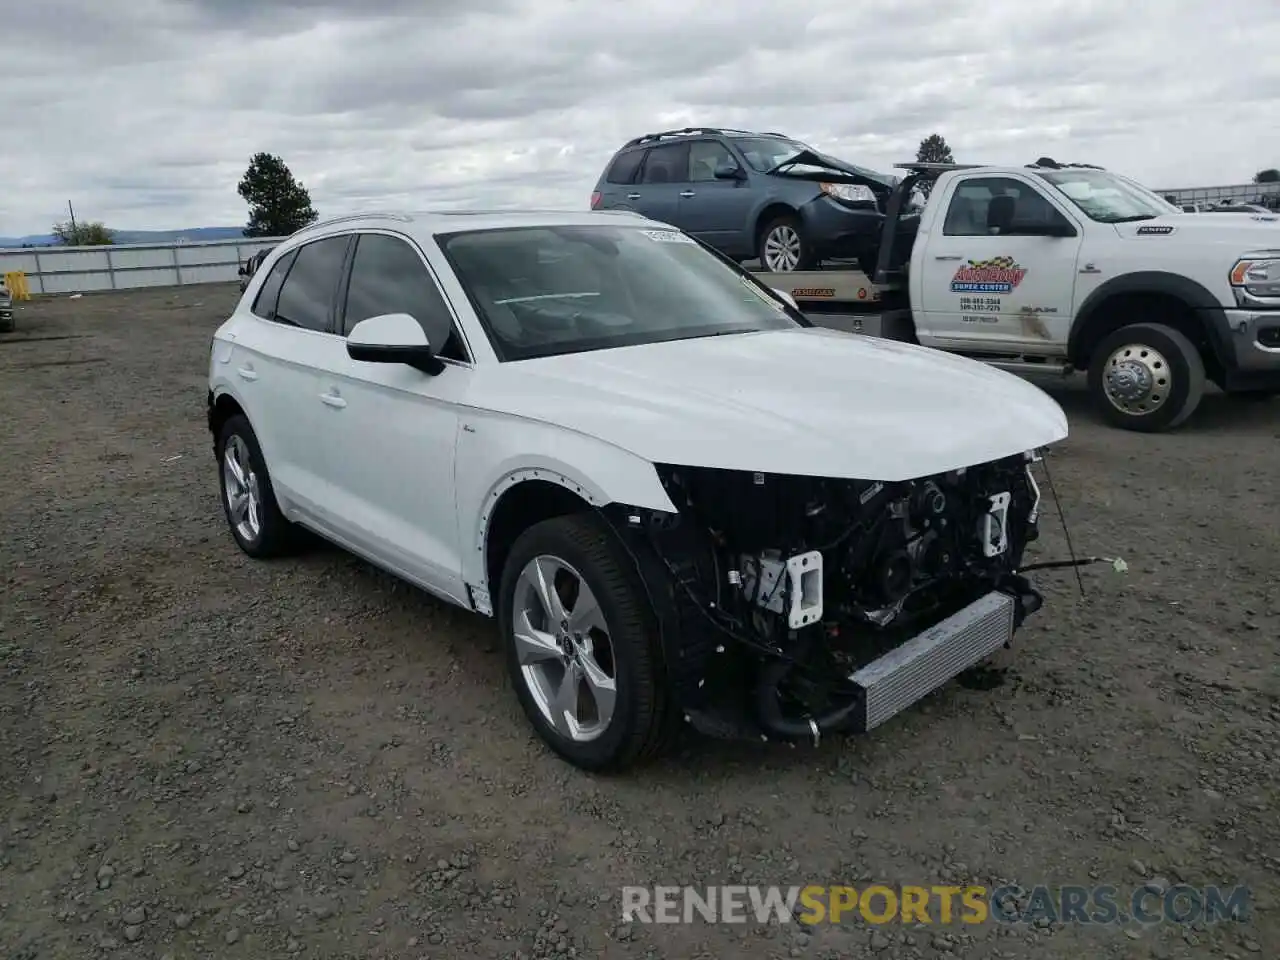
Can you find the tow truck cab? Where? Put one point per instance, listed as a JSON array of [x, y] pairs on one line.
[[1062, 267]]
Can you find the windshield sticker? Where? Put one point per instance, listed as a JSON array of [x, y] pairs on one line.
[[667, 236], [996, 275], [1155, 231]]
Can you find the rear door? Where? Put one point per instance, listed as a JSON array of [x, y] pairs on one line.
[[271, 360], [995, 290], [617, 187], [716, 211], [663, 177]]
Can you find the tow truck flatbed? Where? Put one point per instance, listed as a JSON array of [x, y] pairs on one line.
[[842, 298]]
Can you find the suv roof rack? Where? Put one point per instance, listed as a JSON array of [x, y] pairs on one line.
[[685, 132]]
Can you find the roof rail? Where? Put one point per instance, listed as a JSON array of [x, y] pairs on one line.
[[683, 132], [372, 215]]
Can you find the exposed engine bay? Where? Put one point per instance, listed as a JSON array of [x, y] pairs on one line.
[[785, 587]]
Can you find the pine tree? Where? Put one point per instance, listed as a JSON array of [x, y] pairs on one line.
[[933, 149], [278, 204]]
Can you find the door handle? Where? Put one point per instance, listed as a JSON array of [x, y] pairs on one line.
[[633, 196], [332, 400], [687, 194], [947, 258], [247, 373]]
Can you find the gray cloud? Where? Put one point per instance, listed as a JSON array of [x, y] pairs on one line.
[[145, 114]]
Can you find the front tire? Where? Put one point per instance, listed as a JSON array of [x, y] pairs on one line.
[[782, 246], [1146, 377], [248, 499], [581, 645]]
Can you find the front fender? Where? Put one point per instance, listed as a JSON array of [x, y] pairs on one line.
[[494, 454]]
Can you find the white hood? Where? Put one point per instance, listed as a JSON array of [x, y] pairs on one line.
[[813, 402]]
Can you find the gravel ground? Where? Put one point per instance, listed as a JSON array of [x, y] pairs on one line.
[[204, 756]]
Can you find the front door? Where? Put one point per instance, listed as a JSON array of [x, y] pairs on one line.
[[717, 212], [392, 429], [1006, 288]]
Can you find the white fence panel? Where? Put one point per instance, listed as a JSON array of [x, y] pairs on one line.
[[63, 270]]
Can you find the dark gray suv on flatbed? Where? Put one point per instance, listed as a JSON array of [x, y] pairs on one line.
[[761, 196]]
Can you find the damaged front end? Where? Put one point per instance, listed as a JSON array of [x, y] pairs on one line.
[[791, 607]]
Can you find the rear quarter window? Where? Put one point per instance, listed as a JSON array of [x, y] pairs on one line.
[[624, 166]]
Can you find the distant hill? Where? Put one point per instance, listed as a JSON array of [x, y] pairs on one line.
[[138, 236]]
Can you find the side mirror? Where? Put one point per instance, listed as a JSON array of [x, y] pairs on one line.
[[242, 271], [728, 171], [783, 295], [393, 338]]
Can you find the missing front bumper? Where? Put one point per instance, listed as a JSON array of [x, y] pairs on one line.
[[904, 675]]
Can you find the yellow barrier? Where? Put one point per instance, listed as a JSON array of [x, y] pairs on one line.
[[16, 281]]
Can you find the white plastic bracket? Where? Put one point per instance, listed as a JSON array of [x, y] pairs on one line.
[[995, 526], [804, 575]]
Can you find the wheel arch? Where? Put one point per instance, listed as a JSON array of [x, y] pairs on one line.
[[222, 407], [537, 489], [769, 212], [1188, 308]]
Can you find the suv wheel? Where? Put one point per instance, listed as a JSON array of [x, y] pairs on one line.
[[1146, 377], [782, 246], [581, 646], [248, 500]]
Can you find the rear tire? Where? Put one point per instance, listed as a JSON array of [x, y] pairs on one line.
[[572, 553], [1146, 377], [782, 247], [248, 499]]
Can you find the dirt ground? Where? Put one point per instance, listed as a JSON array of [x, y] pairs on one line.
[[206, 756]]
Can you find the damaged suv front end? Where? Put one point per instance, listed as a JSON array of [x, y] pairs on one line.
[[802, 606]]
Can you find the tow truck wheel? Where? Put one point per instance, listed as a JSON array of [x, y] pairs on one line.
[[1146, 377], [782, 246]]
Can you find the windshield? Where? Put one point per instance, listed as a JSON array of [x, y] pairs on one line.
[[1106, 197], [765, 153], [544, 291]]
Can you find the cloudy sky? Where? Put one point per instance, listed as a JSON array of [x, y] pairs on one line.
[[144, 113]]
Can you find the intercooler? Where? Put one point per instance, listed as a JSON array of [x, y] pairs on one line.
[[927, 661]]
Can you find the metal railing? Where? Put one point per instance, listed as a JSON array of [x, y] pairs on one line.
[[63, 270]]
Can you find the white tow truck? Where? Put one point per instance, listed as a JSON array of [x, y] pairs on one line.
[[1056, 268]]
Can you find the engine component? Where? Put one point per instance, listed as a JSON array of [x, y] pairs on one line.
[[793, 587], [813, 579], [995, 536]]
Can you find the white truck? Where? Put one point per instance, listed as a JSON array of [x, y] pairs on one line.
[[1056, 268]]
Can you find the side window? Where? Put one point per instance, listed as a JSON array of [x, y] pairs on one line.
[[624, 167], [969, 214], [705, 156], [306, 299], [264, 305], [388, 276], [668, 163]]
